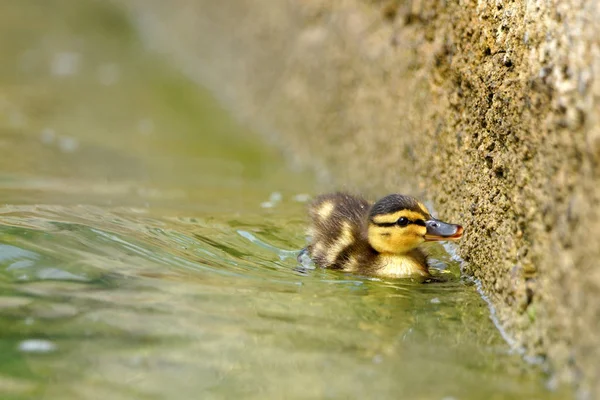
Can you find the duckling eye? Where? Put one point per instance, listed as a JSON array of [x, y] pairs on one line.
[[402, 221]]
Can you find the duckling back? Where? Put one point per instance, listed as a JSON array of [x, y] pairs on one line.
[[337, 231]]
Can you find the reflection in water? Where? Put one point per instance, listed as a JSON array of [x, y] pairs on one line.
[[148, 248]]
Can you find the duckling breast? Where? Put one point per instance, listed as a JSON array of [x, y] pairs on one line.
[[404, 265]]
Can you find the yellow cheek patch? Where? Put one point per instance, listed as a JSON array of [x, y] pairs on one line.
[[411, 230], [325, 210], [407, 238], [395, 239], [380, 238], [392, 218]]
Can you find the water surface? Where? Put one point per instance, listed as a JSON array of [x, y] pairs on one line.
[[147, 247]]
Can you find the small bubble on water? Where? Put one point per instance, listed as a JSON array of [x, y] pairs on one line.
[[36, 346], [48, 136], [67, 144], [275, 197], [136, 361], [145, 126], [552, 383], [301, 198], [378, 359], [435, 300], [65, 64]]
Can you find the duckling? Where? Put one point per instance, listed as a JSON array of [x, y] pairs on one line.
[[351, 234]]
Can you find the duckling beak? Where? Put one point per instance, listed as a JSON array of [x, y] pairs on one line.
[[439, 230]]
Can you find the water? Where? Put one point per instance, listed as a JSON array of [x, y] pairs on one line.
[[147, 247]]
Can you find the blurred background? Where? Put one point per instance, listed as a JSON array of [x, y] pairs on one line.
[[148, 241]]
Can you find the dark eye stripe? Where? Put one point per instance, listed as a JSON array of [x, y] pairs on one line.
[[390, 224]]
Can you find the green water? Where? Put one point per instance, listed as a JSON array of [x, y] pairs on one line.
[[147, 247]]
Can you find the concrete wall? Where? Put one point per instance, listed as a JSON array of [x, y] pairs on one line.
[[488, 108]]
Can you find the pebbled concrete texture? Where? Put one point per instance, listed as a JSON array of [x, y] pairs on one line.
[[490, 109]]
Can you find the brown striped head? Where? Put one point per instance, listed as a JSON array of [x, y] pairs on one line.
[[397, 224]]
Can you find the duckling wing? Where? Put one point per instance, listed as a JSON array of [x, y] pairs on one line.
[[337, 228], [339, 207]]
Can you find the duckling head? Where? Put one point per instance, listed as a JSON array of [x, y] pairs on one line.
[[397, 224]]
